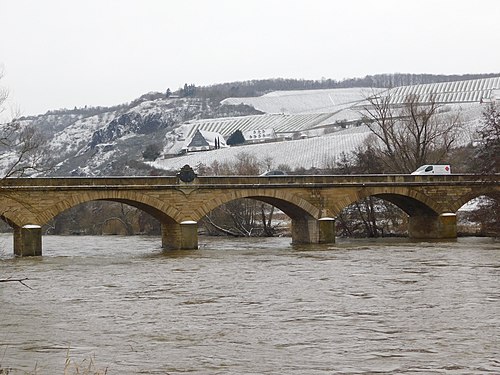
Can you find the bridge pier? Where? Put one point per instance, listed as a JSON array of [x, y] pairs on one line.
[[308, 231], [183, 236], [28, 240], [433, 227]]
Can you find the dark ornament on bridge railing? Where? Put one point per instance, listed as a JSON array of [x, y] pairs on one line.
[[186, 174]]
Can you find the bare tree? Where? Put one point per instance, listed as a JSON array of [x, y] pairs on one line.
[[21, 149], [411, 133], [4, 94], [487, 161], [489, 149], [369, 216], [241, 217], [125, 215]]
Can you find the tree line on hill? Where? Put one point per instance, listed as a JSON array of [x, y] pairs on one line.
[[262, 86], [218, 92]]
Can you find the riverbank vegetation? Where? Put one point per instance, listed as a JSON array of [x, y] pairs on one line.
[[86, 366]]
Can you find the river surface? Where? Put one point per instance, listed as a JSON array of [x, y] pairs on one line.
[[252, 306]]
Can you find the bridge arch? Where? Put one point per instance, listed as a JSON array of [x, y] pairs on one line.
[[491, 191], [412, 202], [160, 210], [16, 217], [305, 228], [292, 205]]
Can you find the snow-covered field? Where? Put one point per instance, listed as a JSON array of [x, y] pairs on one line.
[[333, 100], [306, 101]]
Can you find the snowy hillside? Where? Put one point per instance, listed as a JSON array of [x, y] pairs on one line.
[[314, 127], [335, 100], [112, 141], [316, 152], [312, 113], [91, 144]]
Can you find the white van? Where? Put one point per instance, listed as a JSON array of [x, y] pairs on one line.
[[434, 169]]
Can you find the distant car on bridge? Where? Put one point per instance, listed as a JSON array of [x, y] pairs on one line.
[[433, 169], [273, 173]]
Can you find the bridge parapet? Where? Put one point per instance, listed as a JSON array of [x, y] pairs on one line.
[[221, 181]]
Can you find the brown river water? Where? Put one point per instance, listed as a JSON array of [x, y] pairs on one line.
[[253, 306]]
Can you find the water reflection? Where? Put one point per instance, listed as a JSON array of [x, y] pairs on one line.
[[254, 307]]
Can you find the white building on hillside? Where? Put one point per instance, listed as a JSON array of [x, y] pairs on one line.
[[259, 135], [204, 141]]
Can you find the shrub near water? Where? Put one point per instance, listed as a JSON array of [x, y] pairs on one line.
[[85, 367]]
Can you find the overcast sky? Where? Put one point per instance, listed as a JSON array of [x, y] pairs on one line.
[[66, 53]]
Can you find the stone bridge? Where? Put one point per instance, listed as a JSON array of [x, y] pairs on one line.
[[312, 202]]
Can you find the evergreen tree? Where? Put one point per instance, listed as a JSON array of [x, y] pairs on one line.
[[188, 90], [236, 138], [151, 152]]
